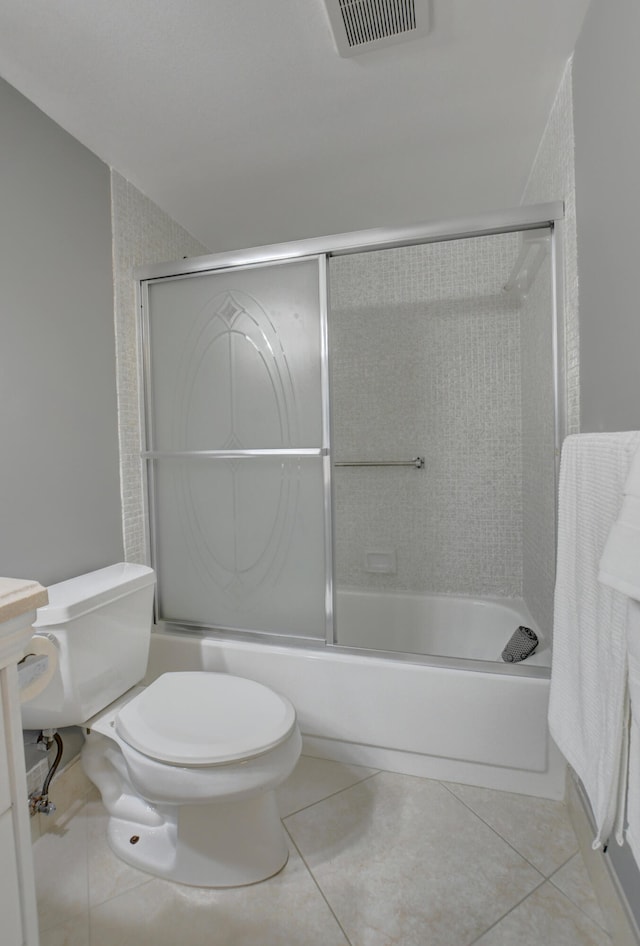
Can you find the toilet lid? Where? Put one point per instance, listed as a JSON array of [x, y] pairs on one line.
[[200, 718]]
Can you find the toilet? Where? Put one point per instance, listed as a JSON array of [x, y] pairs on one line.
[[187, 766]]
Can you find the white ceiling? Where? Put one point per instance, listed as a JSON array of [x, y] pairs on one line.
[[240, 120]]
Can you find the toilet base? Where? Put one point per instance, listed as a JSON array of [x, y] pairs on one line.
[[225, 844], [231, 838]]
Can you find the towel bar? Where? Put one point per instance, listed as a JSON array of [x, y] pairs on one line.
[[417, 462]]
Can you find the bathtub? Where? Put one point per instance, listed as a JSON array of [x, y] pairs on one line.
[[462, 719], [439, 625]]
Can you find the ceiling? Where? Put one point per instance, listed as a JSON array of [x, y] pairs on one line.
[[239, 118]]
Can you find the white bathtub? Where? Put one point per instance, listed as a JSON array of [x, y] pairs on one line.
[[455, 719], [436, 625]]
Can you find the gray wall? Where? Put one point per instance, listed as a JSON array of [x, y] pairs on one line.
[[606, 80], [59, 483]]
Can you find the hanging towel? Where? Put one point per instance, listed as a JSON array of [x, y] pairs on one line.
[[620, 569], [633, 796], [620, 563], [588, 704]]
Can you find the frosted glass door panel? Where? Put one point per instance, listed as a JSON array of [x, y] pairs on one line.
[[236, 359], [240, 543], [234, 364]]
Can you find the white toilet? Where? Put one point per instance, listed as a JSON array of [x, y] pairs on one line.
[[187, 766]]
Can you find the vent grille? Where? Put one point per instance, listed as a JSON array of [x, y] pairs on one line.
[[361, 25], [368, 20]]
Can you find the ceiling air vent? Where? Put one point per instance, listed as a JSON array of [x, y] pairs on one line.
[[362, 25]]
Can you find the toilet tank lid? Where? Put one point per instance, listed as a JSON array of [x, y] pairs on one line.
[[76, 596]]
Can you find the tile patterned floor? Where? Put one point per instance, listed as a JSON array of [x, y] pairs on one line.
[[377, 859]]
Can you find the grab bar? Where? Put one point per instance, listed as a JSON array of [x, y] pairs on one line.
[[417, 462]]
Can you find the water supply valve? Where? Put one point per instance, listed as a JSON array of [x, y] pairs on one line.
[[40, 804], [39, 801]]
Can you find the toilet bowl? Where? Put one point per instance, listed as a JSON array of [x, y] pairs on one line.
[[187, 767], [205, 752]]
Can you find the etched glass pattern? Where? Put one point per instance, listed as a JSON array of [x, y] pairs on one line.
[[241, 543], [235, 359], [235, 365]]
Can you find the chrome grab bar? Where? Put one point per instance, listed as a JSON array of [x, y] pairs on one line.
[[417, 462]]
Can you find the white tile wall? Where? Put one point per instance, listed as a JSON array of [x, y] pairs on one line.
[[142, 233], [425, 349], [552, 177]]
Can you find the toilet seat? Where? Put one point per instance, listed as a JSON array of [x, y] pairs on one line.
[[201, 718]]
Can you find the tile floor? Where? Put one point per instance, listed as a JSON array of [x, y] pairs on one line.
[[376, 859]]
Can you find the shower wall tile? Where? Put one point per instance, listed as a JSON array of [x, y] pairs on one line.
[[552, 177], [142, 233], [441, 272], [425, 349]]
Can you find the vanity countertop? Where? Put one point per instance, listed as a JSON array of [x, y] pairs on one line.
[[19, 595]]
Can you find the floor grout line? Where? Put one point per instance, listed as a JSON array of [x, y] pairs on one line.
[[571, 900], [87, 916], [506, 840], [578, 907], [317, 885], [121, 893], [564, 864], [510, 910], [338, 791]]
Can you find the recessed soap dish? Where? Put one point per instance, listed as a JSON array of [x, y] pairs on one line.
[[380, 562]]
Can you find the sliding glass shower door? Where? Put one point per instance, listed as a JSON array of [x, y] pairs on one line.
[[236, 444]]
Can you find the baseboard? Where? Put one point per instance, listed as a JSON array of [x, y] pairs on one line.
[[611, 897], [549, 784]]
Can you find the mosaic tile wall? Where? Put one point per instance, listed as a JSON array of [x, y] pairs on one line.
[[142, 233], [425, 349], [552, 178]]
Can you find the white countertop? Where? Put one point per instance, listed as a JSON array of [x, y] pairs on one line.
[[19, 595]]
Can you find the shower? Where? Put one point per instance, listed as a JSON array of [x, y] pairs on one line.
[[351, 442]]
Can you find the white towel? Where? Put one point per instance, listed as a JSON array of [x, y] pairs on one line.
[[633, 797], [620, 568], [620, 563], [588, 704]]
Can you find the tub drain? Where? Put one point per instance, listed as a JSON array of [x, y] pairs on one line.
[[520, 645]]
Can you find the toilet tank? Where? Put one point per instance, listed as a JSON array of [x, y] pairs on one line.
[[100, 626]]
